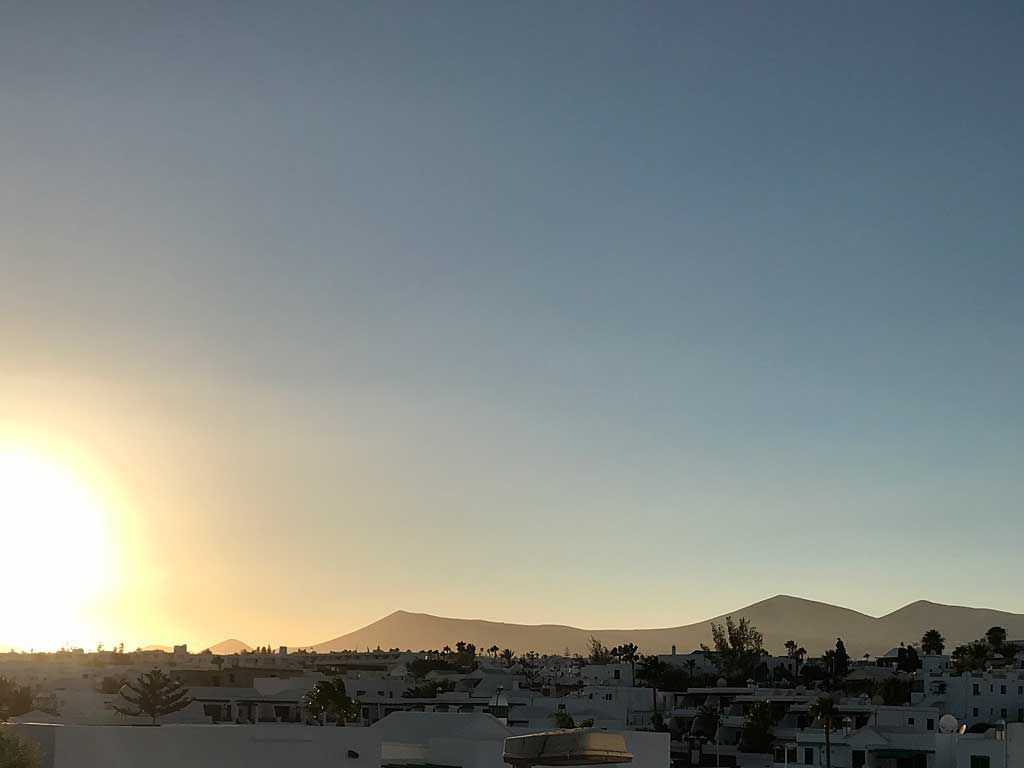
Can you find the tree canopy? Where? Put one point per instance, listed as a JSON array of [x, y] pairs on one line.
[[933, 643], [14, 699], [758, 729], [328, 698], [597, 652], [738, 648], [153, 695]]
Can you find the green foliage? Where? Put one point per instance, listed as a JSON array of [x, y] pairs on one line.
[[14, 699], [563, 719], [420, 668], [996, 638], [933, 643], [668, 677], [971, 657], [16, 752], [329, 698], [465, 655], [909, 661], [758, 729], [738, 646], [509, 656], [153, 695], [597, 652], [894, 691], [429, 690]]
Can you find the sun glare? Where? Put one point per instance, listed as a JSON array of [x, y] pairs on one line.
[[55, 547]]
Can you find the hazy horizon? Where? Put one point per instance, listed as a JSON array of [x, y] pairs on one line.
[[599, 314]]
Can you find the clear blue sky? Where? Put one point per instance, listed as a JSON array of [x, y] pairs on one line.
[[603, 313]]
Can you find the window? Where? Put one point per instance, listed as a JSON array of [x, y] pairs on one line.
[[859, 759], [809, 756], [1020, 690], [608, 697], [930, 724], [910, 721], [974, 712], [979, 761], [1002, 689], [1002, 713], [618, 674], [976, 689], [1020, 715]]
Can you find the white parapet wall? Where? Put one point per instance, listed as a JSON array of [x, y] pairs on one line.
[[199, 746]]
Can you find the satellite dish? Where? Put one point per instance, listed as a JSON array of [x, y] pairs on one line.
[[948, 724]]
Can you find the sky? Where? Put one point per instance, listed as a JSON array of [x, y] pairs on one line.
[[600, 313]]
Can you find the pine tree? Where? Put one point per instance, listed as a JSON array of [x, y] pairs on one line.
[[154, 695]]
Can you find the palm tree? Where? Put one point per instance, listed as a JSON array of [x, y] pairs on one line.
[[493, 650], [628, 652], [933, 643], [509, 656], [824, 709], [446, 651]]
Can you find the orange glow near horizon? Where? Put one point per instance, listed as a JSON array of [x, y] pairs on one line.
[[57, 551]]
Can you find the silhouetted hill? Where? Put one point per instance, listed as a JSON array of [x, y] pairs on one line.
[[811, 624], [227, 647]]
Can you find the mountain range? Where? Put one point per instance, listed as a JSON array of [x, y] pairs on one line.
[[813, 625]]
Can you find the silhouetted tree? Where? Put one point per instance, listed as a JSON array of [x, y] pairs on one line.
[[329, 698], [493, 650], [429, 690], [971, 657], [824, 709], [757, 729], [629, 654], [153, 695], [738, 646], [841, 661], [933, 643], [908, 661], [509, 656], [598, 652], [996, 638]]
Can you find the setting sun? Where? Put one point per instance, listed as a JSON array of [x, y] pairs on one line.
[[57, 536]]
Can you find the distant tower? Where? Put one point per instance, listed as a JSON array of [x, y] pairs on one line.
[[673, 649]]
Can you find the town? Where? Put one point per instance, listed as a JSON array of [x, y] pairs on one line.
[[728, 704]]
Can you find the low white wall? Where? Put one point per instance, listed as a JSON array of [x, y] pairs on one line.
[[227, 746]]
